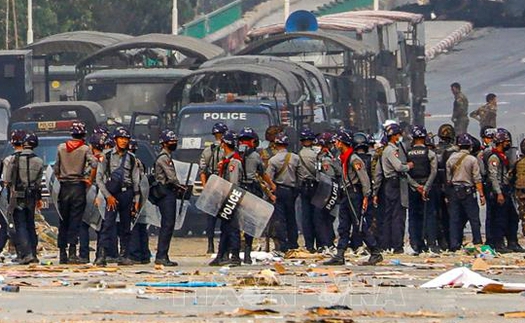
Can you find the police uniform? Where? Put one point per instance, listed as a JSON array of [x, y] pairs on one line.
[[329, 165], [422, 223], [444, 150], [127, 196], [308, 181], [230, 168], [463, 177], [166, 175], [393, 224], [70, 166], [209, 159], [504, 218], [139, 240], [284, 174], [26, 186], [356, 185], [460, 113]]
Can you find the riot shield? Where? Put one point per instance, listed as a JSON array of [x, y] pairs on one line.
[[4, 203], [53, 186], [229, 202], [151, 215], [403, 186], [326, 194], [101, 204], [92, 215], [513, 155], [187, 173], [144, 192]]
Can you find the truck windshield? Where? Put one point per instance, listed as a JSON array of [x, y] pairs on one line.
[[47, 148], [121, 100], [194, 129]]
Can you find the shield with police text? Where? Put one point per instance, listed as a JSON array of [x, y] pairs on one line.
[[327, 193], [229, 202], [53, 186]]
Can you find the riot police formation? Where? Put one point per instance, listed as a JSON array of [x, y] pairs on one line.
[[210, 158], [439, 185]]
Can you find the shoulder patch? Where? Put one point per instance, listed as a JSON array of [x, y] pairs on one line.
[[358, 165], [494, 163], [231, 167], [396, 153]]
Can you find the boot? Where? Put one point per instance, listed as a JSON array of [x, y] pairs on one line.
[[63, 256], [29, 259], [73, 258], [337, 260], [247, 255], [500, 247], [101, 258], [166, 262], [515, 247], [124, 260], [219, 261], [211, 246], [374, 259], [235, 260]]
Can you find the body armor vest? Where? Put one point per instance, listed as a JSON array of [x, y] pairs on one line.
[[419, 156], [367, 159]]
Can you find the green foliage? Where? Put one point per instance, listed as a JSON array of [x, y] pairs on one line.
[[134, 17]]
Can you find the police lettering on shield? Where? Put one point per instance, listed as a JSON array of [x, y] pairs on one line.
[[224, 116]]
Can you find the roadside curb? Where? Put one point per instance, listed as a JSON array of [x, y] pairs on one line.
[[450, 41]]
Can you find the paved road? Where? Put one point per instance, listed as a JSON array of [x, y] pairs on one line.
[[491, 60]]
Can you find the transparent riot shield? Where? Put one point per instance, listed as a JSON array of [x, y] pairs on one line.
[[53, 186], [4, 203], [186, 173], [229, 202], [326, 194], [92, 215]]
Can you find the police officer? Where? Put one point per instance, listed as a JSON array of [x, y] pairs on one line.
[[70, 166], [230, 168], [166, 175], [518, 179], [504, 218], [283, 170], [464, 179], [118, 179], [139, 242], [25, 171], [327, 164], [308, 186], [421, 213], [460, 109], [210, 157], [97, 145], [393, 172], [444, 149], [17, 141], [356, 188], [270, 151], [251, 176]]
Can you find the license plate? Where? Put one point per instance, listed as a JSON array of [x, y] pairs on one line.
[[47, 125]]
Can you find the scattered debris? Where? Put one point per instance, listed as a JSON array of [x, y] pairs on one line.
[[480, 265], [264, 278], [242, 312], [514, 315], [502, 289], [191, 284], [464, 277]]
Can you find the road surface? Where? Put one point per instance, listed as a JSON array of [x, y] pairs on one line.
[[491, 60]]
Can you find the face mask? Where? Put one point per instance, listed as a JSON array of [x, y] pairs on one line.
[[172, 147], [243, 148], [316, 149], [506, 147]]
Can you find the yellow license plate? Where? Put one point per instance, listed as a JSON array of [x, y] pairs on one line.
[[47, 125]]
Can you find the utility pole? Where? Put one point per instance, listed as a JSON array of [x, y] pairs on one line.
[[15, 24], [29, 21], [376, 5], [7, 24], [174, 19], [286, 9]]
